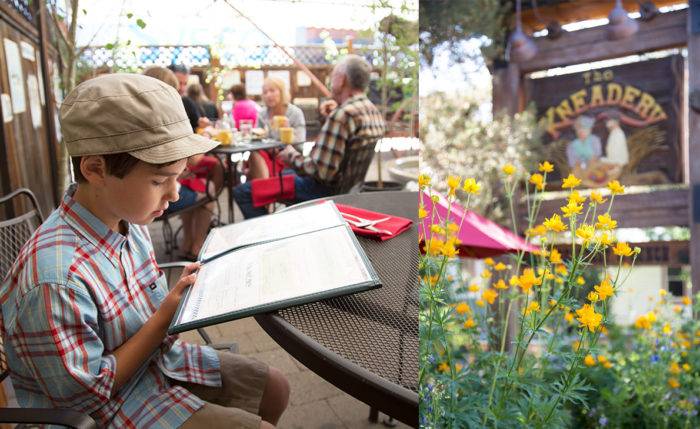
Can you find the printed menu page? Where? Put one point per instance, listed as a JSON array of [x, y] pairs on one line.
[[309, 267]]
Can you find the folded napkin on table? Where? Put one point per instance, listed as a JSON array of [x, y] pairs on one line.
[[395, 225]]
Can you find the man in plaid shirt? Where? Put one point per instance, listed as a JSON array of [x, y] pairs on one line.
[[353, 120], [85, 308]]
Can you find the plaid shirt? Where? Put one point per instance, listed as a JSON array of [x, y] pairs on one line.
[[356, 121], [66, 307]]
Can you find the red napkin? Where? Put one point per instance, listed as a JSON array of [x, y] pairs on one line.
[[267, 191], [395, 224]]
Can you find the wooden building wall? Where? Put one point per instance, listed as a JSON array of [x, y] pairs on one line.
[[28, 145]]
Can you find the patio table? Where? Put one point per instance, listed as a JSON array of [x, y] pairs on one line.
[[365, 344], [231, 178]]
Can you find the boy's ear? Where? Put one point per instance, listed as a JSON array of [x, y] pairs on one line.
[[93, 168]]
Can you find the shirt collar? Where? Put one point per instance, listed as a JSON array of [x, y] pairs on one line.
[[354, 98], [90, 227]]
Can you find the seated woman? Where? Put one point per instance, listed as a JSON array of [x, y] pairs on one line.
[[243, 107], [277, 102]]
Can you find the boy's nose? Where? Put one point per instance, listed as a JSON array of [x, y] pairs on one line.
[[172, 194]]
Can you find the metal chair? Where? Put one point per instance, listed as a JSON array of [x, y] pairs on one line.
[[214, 187], [353, 168], [14, 232]]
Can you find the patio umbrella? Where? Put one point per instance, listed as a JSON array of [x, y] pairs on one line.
[[480, 237]]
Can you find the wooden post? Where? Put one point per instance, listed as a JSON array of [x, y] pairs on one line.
[[506, 89], [694, 141], [49, 106]]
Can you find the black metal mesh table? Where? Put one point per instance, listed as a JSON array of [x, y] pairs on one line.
[[366, 344]]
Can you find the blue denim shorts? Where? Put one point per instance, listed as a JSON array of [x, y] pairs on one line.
[[187, 198]]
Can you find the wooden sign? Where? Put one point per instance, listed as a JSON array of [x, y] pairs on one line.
[[667, 253], [618, 122]]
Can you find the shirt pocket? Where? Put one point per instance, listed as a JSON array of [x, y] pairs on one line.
[[157, 289]]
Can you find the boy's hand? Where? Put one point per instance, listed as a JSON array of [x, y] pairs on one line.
[[167, 308]]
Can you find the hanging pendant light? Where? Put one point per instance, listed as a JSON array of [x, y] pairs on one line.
[[620, 25], [520, 47]]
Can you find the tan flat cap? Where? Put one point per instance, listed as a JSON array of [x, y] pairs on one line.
[[132, 113]]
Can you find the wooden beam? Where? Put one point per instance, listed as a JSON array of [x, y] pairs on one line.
[[567, 12], [49, 105], [667, 30], [694, 150], [672, 253], [657, 208]]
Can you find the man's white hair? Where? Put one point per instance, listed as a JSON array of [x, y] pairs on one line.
[[357, 70]]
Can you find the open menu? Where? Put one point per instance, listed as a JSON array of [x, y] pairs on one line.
[[272, 262]]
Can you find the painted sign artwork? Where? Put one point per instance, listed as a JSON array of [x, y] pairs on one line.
[[620, 122]]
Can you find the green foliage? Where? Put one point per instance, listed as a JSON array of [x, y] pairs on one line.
[[459, 138], [450, 22]]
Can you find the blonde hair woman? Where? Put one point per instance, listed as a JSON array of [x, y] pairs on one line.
[[277, 102]]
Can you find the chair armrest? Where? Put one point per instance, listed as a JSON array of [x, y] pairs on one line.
[[63, 417]]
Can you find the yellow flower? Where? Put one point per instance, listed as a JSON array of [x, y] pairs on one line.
[[434, 246], [622, 249], [651, 316], [437, 229], [500, 266], [605, 239], [452, 227], [474, 287], [546, 167], [470, 323], [458, 367], [423, 181], [501, 284], [606, 222], [571, 209], [569, 317], [602, 359], [642, 322], [528, 279], [463, 308], [490, 295], [667, 329], [663, 292], [422, 214], [589, 360], [449, 250], [552, 302], [443, 367], [489, 261], [538, 180], [431, 280], [555, 257], [508, 169], [480, 302], [686, 300], [588, 318], [471, 186], [616, 188], [597, 197], [533, 306], [592, 297], [674, 368], [537, 230], [514, 280], [576, 345], [607, 365], [570, 182], [585, 232], [686, 367], [677, 308], [576, 197], [604, 289], [561, 270], [486, 274], [435, 198], [673, 383], [554, 223], [453, 182], [580, 281]]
